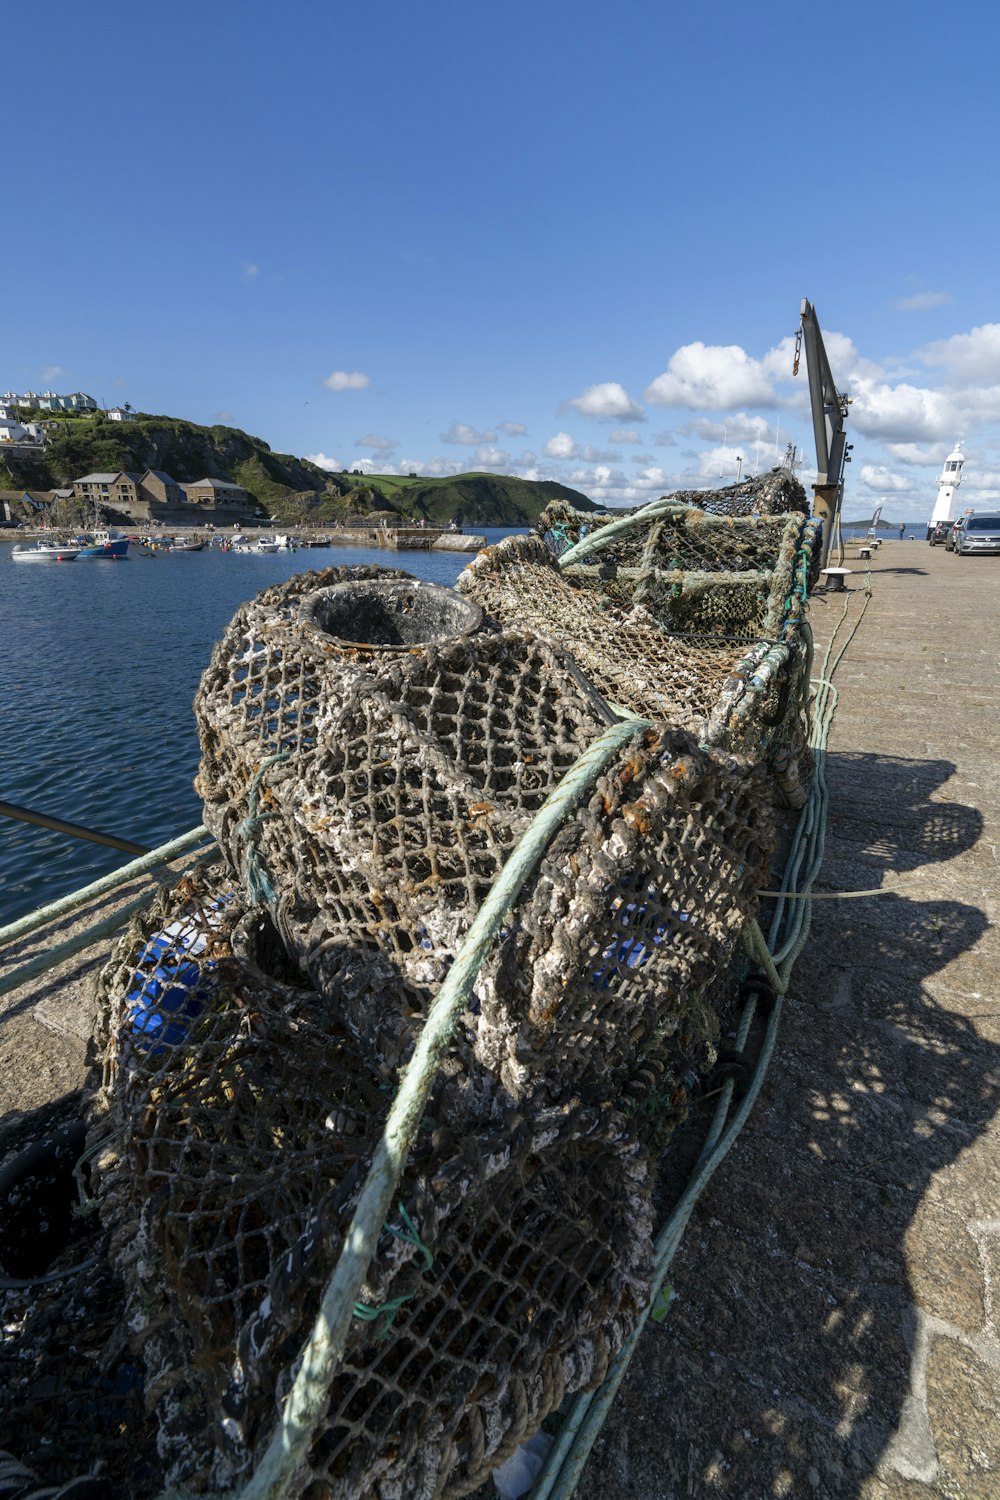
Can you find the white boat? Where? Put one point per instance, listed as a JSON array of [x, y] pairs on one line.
[[186, 544], [40, 552], [261, 545]]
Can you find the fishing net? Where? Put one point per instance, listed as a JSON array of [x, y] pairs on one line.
[[699, 573], [372, 750], [371, 795], [235, 1121], [772, 494], [730, 693]]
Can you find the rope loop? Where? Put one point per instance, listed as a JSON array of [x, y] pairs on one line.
[[258, 885]]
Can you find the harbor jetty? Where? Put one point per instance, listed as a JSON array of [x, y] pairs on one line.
[[834, 1329], [832, 1326]]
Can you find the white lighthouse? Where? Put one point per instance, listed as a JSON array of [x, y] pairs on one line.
[[951, 478]]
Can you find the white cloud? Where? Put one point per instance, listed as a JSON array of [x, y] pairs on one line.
[[561, 446], [346, 380], [625, 435], [609, 402], [488, 457], [250, 271], [325, 462], [528, 459], [722, 465], [711, 377], [881, 479], [912, 453], [665, 440], [601, 455], [459, 432], [373, 440], [51, 372], [921, 300], [902, 413], [972, 356], [739, 428], [513, 429]]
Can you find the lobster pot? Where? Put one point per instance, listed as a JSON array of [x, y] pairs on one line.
[[640, 667], [371, 802], [236, 1119], [775, 493], [702, 574], [745, 697]]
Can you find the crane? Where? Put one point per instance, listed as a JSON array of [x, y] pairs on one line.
[[829, 412]]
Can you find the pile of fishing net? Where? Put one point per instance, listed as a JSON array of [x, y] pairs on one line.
[[622, 618], [373, 748]]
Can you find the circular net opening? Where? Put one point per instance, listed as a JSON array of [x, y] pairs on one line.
[[382, 614]]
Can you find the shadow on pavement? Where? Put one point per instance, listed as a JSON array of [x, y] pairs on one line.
[[785, 1361]]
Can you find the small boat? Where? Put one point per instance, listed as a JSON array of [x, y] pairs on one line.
[[105, 544], [260, 546], [40, 552], [185, 544]]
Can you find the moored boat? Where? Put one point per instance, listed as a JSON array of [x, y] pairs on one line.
[[41, 552], [186, 544], [105, 544]]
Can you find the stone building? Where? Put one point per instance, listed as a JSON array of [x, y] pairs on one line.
[[221, 493], [160, 488], [157, 497]]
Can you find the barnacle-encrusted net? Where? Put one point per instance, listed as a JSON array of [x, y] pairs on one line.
[[374, 801], [695, 572], [745, 696], [372, 750], [238, 1117], [772, 494]]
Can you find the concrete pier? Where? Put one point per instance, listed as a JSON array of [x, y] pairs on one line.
[[835, 1330]]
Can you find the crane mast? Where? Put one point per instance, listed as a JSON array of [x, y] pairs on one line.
[[829, 412]]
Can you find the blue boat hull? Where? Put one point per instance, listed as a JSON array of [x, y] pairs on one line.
[[117, 548]]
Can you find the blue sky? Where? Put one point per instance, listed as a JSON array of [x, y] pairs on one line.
[[558, 239]]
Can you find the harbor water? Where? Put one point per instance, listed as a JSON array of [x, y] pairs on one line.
[[99, 662]]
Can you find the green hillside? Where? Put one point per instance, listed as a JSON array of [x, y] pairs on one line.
[[477, 499], [183, 449], [288, 488]]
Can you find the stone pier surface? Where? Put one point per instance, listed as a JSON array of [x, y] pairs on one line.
[[835, 1329]]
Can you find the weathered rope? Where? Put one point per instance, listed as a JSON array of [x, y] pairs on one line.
[[306, 1402]]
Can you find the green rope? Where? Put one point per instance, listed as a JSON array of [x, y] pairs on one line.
[[258, 884], [307, 1400], [410, 1236], [776, 955]]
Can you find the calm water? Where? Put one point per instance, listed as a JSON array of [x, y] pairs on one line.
[[99, 662]]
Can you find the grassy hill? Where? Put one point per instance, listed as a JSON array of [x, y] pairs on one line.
[[476, 499], [288, 488], [182, 449]]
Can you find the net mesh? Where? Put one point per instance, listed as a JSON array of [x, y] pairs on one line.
[[728, 691], [695, 572], [238, 1116], [372, 750]]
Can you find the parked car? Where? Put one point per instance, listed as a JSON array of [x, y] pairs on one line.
[[953, 533], [938, 533], [979, 534]]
